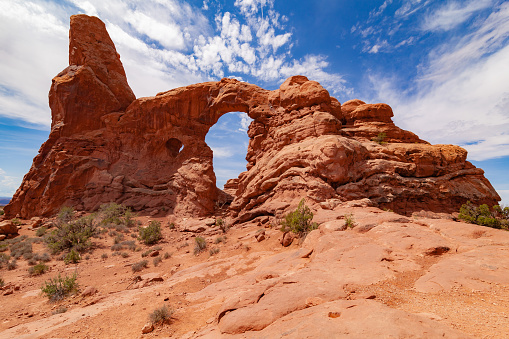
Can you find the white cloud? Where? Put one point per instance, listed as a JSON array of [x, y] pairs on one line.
[[504, 194], [462, 96], [8, 184], [250, 7], [453, 14], [245, 120], [222, 152]]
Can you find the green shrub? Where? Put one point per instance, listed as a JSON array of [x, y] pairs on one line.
[[200, 245], [219, 239], [299, 221], [22, 248], [139, 265], [73, 257], [124, 255], [16, 222], [74, 234], [151, 234], [4, 259], [2, 212], [59, 287], [380, 138], [161, 315], [498, 217], [38, 269], [222, 225], [41, 231], [116, 214], [65, 215], [213, 251], [4, 247], [349, 220]]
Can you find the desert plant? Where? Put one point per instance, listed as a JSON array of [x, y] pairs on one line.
[[213, 251], [171, 226], [41, 231], [2, 212], [59, 310], [161, 315], [65, 215], [73, 257], [152, 233], [379, 139], [74, 234], [222, 225], [219, 239], [299, 221], [38, 269], [157, 260], [16, 222], [116, 214], [12, 264], [4, 259], [4, 247], [167, 255], [498, 217], [140, 265], [200, 245], [2, 283], [44, 257], [104, 256], [124, 255], [349, 220], [59, 287], [22, 248]]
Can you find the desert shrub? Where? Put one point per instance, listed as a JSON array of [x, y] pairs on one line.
[[104, 256], [299, 221], [171, 226], [146, 253], [2, 212], [222, 225], [4, 247], [65, 215], [4, 259], [151, 234], [22, 248], [117, 247], [118, 239], [349, 220], [161, 315], [38, 269], [157, 260], [41, 231], [2, 283], [73, 257], [219, 240], [167, 255], [213, 251], [16, 222], [140, 265], [44, 257], [74, 234], [59, 287], [116, 214], [179, 246], [200, 245], [124, 255], [59, 310], [498, 217], [379, 139], [12, 264]]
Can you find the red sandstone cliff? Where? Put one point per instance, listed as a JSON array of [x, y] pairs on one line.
[[150, 153]]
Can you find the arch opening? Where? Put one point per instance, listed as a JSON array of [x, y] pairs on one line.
[[174, 146], [229, 141]]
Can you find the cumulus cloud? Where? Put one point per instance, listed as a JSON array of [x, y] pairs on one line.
[[222, 152]]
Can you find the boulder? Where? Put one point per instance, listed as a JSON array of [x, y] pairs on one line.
[[7, 227]]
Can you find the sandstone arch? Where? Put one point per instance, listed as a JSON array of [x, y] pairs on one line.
[[105, 145]]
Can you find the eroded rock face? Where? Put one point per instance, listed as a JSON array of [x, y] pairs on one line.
[[150, 153]]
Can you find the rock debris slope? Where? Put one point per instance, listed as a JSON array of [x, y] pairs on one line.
[[150, 153]]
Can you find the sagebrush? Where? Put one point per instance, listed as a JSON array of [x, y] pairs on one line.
[[59, 287], [152, 233], [299, 221]]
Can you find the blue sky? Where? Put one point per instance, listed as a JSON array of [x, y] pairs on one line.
[[441, 64]]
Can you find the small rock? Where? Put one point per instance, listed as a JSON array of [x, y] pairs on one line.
[[149, 277], [154, 254], [2, 237], [334, 314], [89, 291], [210, 221], [286, 239], [314, 301], [149, 327]]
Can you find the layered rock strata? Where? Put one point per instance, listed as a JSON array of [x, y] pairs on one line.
[[150, 153]]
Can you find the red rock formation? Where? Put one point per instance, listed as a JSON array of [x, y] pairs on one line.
[[150, 153]]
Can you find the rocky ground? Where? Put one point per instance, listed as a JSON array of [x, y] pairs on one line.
[[388, 276]]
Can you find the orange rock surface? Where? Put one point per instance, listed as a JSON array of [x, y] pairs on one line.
[[150, 153]]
